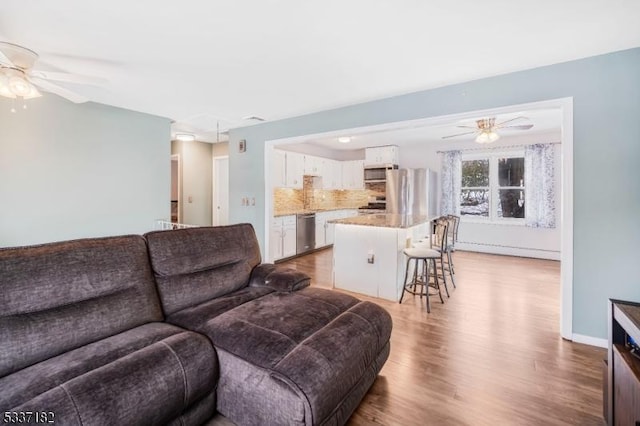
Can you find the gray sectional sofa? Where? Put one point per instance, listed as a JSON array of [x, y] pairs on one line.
[[176, 326]]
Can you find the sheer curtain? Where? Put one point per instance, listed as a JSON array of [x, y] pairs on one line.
[[539, 194], [451, 182]]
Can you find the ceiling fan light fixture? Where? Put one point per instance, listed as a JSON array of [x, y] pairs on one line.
[[344, 139], [19, 86], [4, 87], [13, 85], [487, 137]]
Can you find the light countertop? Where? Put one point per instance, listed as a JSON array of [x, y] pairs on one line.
[[305, 211], [386, 220]]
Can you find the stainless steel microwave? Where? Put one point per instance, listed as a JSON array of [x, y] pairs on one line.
[[377, 173]]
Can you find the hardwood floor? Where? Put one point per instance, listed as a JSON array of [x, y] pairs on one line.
[[491, 355]]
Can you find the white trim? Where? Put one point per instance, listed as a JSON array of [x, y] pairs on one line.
[[214, 209], [268, 199], [566, 238], [509, 250], [565, 104], [589, 340]]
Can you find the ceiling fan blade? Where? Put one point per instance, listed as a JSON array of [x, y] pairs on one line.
[[69, 78], [459, 134], [58, 90], [518, 127], [510, 120], [468, 127], [5, 61], [17, 56]]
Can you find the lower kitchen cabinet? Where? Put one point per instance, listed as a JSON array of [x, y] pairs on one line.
[[288, 236], [321, 228], [324, 229], [282, 241]]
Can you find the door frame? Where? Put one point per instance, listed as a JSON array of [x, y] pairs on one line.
[[214, 194], [566, 204]]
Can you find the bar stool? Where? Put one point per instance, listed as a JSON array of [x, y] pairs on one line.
[[427, 258], [452, 239], [439, 242]]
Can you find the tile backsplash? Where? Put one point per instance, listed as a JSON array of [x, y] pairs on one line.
[[292, 200]]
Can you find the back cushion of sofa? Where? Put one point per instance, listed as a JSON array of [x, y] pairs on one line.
[[60, 296], [195, 265]]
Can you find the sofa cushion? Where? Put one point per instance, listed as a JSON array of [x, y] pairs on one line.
[[317, 342], [278, 278], [195, 265], [211, 309], [144, 375], [59, 296]]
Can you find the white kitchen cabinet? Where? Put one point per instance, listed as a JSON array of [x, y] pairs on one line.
[[312, 165], [282, 237], [294, 170], [288, 236], [328, 168], [279, 169], [359, 174], [330, 227], [321, 227], [381, 155], [275, 238], [349, 174], [336, 174], [353, 174]]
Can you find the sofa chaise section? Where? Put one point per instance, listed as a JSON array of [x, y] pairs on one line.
[[83, 338], [288, 354]]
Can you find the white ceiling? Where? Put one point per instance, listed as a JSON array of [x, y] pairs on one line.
[[543, 120], [207, 61]]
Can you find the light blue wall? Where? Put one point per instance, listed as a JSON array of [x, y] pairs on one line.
[[606, 92], [80, 170]]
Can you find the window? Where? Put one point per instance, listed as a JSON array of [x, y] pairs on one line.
[[474, 200], [493, 187], [510, 188]]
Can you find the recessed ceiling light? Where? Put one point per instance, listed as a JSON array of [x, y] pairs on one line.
[[344, 139], [185, 137]]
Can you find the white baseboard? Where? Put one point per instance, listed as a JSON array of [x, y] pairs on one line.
[[589, 340], [508, 251]]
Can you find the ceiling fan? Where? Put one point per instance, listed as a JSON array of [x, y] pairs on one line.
[[486, 129], [18, 78]]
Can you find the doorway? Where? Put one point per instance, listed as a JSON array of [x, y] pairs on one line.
[[175, 189], [220, 191]]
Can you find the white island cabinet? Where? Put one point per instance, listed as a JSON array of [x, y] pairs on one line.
[[368, 252]]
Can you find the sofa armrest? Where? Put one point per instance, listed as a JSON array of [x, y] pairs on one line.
[[279, 279]]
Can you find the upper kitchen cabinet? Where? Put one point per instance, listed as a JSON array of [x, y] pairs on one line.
[[313, 165], [336, 174], [279, 169], [295, 170], [381, 155], [353, 174]]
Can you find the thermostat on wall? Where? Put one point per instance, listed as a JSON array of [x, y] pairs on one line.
[[242, 145]]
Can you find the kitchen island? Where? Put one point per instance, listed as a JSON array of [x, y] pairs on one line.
[[368, 252]]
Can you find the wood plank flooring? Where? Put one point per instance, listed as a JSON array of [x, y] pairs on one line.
[[491, 355]]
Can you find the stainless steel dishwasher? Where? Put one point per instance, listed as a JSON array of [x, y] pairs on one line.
[[305, 232]]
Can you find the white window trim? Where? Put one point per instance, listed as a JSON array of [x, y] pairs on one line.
[[494, 187]]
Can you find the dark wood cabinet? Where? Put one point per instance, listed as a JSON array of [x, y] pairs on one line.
[[622, 396]]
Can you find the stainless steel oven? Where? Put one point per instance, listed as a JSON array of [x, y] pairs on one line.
[[377, 174], [305, 232]]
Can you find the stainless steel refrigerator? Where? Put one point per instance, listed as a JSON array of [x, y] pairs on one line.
[[412, 192]]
